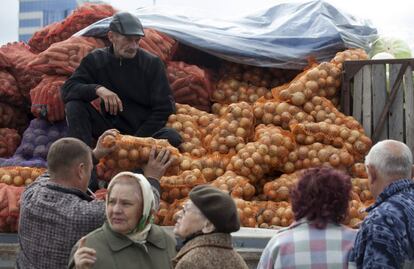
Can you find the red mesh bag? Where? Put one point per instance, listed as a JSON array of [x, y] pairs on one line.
[[178, 187], [83, 16], [247, 212], [64, 57], [171, 217], [158, 44], [12, 117], [4, 61], [9, 91], [190, 84], [9, 141], [19, 56], [9, 207], [46, 98]]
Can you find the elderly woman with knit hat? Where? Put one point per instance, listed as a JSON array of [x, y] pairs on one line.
[[205, 223], [128, 239]]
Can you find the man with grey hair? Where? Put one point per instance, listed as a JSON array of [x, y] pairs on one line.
[[386, 237]]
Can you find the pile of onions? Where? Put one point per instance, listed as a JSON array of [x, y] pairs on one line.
[[279, 189], [232, 131], [178, 187], [237, 186], [278, 113], [161, 213], [274, 214], [19, 176], [349, 55]]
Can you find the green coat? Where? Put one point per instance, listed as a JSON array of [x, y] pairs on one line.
[[115, 251]]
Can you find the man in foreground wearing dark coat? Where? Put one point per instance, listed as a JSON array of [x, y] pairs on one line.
[[136, 98]]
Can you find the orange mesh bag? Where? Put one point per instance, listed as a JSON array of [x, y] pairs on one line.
[[268, 153], [19, 56], [9, 207], [274, 214], [19, 175], [212, 165], [349, 55], [188, 129], [237, 186], [12, 117], [317, 154], [9, 141], [178, 187], [158, 44], [356, 142], [356, 212], [358, 170], [234, 129], [247, 212], [219, 109], [105, 169], [9, 92], [162, 213], [4, 61], [190, 84], [278, 113], [133, 152], [322, 80], [64, 57], [360, 186], [171, 217], [231, 90], [46, 98], [279, 189]]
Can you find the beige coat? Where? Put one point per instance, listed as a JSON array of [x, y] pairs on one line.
[[115, 251], [209, 251]]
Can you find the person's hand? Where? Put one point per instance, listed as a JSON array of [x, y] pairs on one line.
[[157, 165], [84, 257], [100, 151], [113, 104]]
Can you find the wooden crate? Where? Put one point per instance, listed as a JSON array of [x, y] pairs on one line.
[[380, 95]]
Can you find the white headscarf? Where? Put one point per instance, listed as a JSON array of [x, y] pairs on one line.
[[140, 233]]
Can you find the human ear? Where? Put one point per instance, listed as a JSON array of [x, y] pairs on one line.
[[208, 228]]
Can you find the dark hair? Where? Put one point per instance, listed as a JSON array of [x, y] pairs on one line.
[[322, 195], [64, 153]]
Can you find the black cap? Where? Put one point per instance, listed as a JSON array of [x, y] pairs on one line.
[[217, 206], [126, 24]]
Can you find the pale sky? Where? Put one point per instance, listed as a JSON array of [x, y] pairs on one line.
[[391, 18]]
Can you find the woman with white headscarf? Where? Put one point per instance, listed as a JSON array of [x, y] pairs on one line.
[[128, 239]]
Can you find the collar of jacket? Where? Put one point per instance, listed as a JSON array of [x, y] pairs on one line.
[[53, 186], [218, 240], [390, 190], [119, 241]]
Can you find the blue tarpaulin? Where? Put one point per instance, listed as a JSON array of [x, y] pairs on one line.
[[284, 35]]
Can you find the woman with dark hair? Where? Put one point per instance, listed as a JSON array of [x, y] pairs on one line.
[[317, 239]]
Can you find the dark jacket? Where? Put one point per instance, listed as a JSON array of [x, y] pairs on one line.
[[116, 251], [386, 237], [141, 84], [209, 251]]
